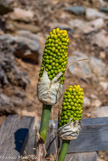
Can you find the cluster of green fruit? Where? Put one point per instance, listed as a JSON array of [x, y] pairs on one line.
[[72, 105], [55, 54]]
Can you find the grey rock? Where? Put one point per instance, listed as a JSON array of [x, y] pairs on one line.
[[104, 85], [10, 73], [93, 67], [8, 104], [13, 81], [101, 111], [5, 100], [77, 10], [104, 9], [100, 39], [86, 102], [98, 66], [93, 96], [62, 26], [16, 101], [80, 68], [19, 94], [3, 79], [102, 2], [86, 27], [6, 6], [13, 26], [92, 14], [23, 47], [96, 103], [21, 15]]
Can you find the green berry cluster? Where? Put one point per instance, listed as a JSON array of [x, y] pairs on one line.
[[55, 54], [72, 105]]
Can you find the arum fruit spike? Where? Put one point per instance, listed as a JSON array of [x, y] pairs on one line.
[[55, 57], [69, 124], [51, 77]]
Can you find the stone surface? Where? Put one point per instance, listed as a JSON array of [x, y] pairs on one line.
[[92, 14], [104, 9], [91, 67], [98, 66], [104, 85], [97, 24], [13, 81], [62, 26], [21, 15], [77, 10], [15, 26], [23, 47], [5, 100], [87, 27], [100, 39], [86, 102], [80, 68], [6, 6], [101, 111], [96, 103], [10, 73]]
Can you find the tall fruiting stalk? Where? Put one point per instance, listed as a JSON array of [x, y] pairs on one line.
[[69, 124], [51, 77]]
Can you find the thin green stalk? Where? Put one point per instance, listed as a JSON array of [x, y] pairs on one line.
[[45, 121], [64, 149]]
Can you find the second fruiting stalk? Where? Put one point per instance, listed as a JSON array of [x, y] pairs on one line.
[[71, 108]]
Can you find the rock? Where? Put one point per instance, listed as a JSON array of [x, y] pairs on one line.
[[14, 26], [92, 14], [77, 25], [21, 15], [5, 101], [100, 39], [87, 27], [10, 73], [3, 79], [104, 85], [86, 102], [80, 68], [104, 9], [93, 96], [27, 49], [102, 55], [99, 2], [96, 103], [102, 2], [77, 10], [62, 26], [6, 6], [98, 66], [97, 24], [23, 47], [16, 101], [19, 94], [101, 111], [13, 81], [93, 67], [8, 104]]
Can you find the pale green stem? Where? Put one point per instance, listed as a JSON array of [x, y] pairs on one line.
[[45, 121]]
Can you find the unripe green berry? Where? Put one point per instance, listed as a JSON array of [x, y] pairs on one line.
[[55, 54], [72, 104]]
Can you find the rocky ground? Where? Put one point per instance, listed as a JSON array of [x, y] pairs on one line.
[[24, 26]]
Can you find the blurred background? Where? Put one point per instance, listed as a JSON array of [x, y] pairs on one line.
[[24, 26]]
